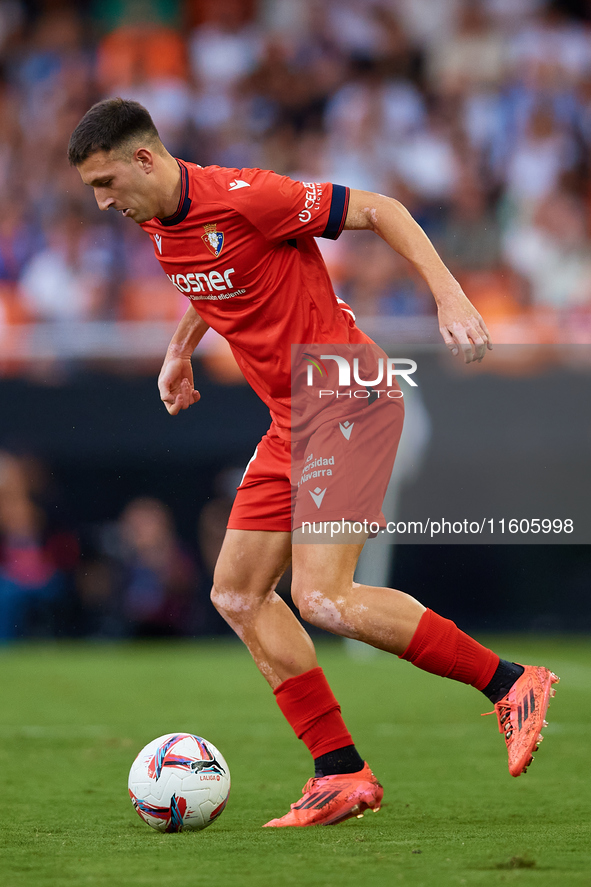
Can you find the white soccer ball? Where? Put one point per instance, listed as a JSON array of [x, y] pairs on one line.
[[179, 782]]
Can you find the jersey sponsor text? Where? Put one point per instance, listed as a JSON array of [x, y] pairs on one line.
[[199, 282], [312, 200]]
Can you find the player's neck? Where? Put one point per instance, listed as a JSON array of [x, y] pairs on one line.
[[170, 176]]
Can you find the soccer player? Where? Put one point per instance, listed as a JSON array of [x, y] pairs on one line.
[[240, 244]]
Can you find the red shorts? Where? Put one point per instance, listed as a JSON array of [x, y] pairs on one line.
[[340, 472]]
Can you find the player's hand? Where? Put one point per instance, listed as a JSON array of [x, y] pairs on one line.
[[462, 327], [175, 384]]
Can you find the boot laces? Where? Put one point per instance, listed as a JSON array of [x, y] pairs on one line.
[[503, 712]]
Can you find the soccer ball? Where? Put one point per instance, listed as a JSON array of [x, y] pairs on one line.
[[179, 782]]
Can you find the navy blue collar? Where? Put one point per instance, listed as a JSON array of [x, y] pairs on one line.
[[184, 202]]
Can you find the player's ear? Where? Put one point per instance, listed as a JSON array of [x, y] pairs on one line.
[[144, 159]]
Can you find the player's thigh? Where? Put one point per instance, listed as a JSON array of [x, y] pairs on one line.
[[250, 563], [343, 477], [263, 500], [322, 569]]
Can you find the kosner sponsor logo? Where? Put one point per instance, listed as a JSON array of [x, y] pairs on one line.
[[198, 281]]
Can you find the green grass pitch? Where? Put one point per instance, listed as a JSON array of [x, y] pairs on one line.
[[72, 718]]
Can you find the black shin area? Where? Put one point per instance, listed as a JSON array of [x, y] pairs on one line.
[[502, 680], [342, 760]]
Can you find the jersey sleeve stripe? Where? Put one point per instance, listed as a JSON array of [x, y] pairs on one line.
[[338, 212]]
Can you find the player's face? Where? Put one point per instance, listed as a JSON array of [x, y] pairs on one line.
[[123, 184]]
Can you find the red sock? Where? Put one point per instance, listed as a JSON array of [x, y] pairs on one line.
[[310, 707], [438, 646]]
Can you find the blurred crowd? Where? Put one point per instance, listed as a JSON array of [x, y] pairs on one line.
[[476, 114], [64, 574]]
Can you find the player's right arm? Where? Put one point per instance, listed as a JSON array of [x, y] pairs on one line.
[[175, 381], [460, 324]]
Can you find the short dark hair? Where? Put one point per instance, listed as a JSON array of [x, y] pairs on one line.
[[108, 125]]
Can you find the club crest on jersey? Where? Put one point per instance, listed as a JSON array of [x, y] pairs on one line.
[[213, 240]]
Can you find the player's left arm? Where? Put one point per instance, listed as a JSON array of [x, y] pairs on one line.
[[460, 324], [175, 381]]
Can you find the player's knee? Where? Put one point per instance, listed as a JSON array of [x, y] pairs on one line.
[[299, 596], [227, 600], [215, 597], [232, 601], [319, 609]]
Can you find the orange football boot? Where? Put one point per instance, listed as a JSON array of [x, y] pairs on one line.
[[330, 799], [521, 715]]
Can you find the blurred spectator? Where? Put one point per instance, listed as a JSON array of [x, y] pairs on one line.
[[427, 162], [552, 253], [474, 56], [470, 239], [151, 576], [20, 240], [68, 279], [34, 560], [540, 158], [551, 38], [226, 46]]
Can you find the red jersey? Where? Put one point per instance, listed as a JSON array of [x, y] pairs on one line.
[[241, 247]]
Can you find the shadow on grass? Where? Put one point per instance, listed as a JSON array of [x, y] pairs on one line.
[[515, 862]]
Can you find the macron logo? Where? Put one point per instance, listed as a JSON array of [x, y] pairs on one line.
[[158, 241], [238, 183], [346, 428], [318, 496]]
